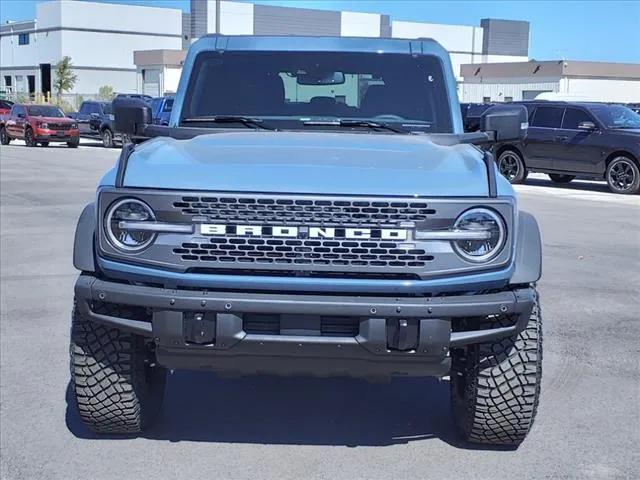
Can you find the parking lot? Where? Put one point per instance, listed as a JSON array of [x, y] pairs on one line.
[[588, 425]]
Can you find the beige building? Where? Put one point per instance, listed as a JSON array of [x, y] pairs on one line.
[[568, 79]]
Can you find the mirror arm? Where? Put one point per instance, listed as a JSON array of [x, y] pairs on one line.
[[477, 138]]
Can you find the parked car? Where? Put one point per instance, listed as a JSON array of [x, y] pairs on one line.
[[310, 235], [565, 140], [38, 124], [95, 120], [472, 114], [161, 110], [5, 106]]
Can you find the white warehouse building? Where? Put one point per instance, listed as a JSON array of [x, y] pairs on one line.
[[559, 79], [100, 39], [494, 40]]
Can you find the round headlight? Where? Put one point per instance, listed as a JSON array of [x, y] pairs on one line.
[[128, 239], [486, 223]]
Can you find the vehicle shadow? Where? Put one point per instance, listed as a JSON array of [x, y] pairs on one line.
[[199, 406], [577, 184]]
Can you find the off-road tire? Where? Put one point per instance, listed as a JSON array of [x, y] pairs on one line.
[[495, 386], [117, 388], [511, 166], [73, 143], [5, 139], [29, 139], [107, 138], [559, 178]]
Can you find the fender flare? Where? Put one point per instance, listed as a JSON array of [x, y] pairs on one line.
[[83, 245], [528, 256]]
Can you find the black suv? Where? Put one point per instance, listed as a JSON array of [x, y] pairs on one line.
[[566, 140], [95, 120]]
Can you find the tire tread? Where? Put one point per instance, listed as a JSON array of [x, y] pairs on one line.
[[108, 378], [502, 385]]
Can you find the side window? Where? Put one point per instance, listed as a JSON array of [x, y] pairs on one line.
[[547, 117], [574, 117], [168, 105], [155, 105]]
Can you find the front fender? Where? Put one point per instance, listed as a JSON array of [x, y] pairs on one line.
[[83, 245], [528, 251]]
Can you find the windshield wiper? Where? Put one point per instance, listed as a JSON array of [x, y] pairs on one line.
[[247, 121], [355, 123]]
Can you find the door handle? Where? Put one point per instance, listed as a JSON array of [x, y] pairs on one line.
[[562, 138]]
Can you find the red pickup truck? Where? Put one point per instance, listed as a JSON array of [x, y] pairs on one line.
[[38, 124]]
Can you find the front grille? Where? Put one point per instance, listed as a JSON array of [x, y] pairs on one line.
[[388, 249], [340, 253], [59, 126], [301, 211]]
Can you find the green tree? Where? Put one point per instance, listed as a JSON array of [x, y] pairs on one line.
[[64, 79], [106, 93]]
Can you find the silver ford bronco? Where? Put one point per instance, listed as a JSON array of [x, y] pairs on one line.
[[312, 208]]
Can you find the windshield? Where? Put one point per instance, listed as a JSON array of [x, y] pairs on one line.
[[107, 108], [44, 111], [617, 116], [295, 87]]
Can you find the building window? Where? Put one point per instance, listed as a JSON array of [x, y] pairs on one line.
[[23, 39], [508, 99], [486, 99]]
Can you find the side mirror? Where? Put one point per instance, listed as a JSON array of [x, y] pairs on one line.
[[506, 122], [589, 126], [94, 115], [132, 115]]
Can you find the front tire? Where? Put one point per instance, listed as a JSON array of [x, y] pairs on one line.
[[623, 175], [495, 386], [29, 139], [4, 136], [558, 178], [511, 166], [107, 138], [74, 143], [116, 386]]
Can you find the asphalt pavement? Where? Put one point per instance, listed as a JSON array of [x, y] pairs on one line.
[[588, 424]]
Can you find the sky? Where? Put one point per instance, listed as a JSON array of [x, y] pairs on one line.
[[573, 30]]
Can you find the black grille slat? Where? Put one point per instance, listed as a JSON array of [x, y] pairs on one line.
[[326, 326], [305, 252], [301, 211]]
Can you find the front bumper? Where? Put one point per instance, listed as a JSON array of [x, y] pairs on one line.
[[49, 135], [195, 329]]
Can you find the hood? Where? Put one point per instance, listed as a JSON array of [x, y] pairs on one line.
[[314, 163], [52, 119]]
